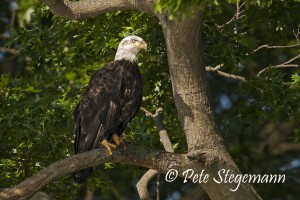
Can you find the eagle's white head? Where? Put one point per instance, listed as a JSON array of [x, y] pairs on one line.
[[129, 47]]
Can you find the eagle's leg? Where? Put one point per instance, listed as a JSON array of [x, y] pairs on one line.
[[108, 146], [117, 140]]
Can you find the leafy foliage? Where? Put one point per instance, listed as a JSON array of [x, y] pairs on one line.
[[59, 56]]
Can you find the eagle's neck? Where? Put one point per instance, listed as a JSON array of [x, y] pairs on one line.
[[125, 54]]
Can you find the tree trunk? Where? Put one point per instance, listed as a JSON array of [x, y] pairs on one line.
[[183, 40], [185, 57]]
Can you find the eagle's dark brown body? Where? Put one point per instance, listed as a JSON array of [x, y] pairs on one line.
[[111, 99]]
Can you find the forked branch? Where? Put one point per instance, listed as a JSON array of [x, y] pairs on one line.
[[237, 15], [165, 140], [286, 64]]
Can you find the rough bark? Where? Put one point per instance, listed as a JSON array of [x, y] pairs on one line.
[[80, 10], [183, 39], [136, 155]]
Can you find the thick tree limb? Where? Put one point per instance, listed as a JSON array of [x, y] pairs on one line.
[[150, 158], [79, 10]]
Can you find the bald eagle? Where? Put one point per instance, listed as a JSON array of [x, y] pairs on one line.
[[110, 101]]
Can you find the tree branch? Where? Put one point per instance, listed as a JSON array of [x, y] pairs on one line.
[[12, 51], [79, 10], [224, 74], [274, 47], [237, 15], [283, 65], [286, 64], [147, 111], [150, 158], [142, 184], [164, 138], [280, 47]]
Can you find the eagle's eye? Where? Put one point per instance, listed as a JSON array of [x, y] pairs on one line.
[[133, 40]]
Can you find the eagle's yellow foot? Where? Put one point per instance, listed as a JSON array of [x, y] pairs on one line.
[[108, 146], [118, 141]]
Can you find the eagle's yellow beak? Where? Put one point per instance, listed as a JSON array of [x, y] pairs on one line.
[[141, 45]]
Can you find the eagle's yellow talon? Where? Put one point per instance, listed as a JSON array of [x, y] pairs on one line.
[[108, 146], [117, 140]]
